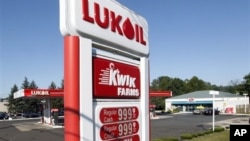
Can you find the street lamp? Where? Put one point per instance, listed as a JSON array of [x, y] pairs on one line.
[[245, 103], [213, 93]]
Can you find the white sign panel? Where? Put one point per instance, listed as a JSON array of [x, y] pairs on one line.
[[105, 21]]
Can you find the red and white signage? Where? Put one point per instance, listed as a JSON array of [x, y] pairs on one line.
[[117, 130], [118, 114], [114, 86], [30, 93], [118, 123], [107, 20], [115, 80]]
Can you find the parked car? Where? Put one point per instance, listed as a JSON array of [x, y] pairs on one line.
[[31, 115], [4, 115], [210, 112], [198, 112]]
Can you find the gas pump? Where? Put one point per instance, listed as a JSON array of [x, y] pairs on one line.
[[152, 110]]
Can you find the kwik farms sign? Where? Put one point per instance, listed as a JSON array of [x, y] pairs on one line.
[[115, 80]]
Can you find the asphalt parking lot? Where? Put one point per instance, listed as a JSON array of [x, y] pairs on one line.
[[164, 126], [175, 125]]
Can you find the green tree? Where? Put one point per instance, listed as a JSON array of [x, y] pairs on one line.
[[62, 84], [25, 84], [52, 85], [33, 85], [56, 102], [33, 104], [165, 83], [161, 83], [24, 103], [177, 86], [195, 84], [12, 105], [247, 83], [29, 105]]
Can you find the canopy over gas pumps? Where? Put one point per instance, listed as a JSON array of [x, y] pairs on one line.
[[45, 95], [38, 93], [160, 93]]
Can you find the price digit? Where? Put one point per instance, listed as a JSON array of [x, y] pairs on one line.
[[125, 129], [125, 114], [130, 128], [120, 114], [129, 113], [120, 129]]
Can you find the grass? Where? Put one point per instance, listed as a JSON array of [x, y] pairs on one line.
[[216, 136]]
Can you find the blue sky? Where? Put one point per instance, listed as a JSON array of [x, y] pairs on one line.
[[209, 39]]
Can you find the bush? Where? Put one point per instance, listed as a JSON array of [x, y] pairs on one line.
[[195, 135], [200, 134], [157, 140], [219, 129], [176, 110], [208, 132], [170, 139], [186, 136]]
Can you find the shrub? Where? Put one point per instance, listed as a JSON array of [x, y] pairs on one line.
[[200, 134], [170, 139], [208, 132], [219, 129], [195, 134], [157, 140], [186, 136], [176, 110]]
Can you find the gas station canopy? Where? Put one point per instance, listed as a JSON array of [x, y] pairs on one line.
[[38, 93]]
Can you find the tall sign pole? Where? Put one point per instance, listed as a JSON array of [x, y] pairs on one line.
[[213, 93], [106, 70]]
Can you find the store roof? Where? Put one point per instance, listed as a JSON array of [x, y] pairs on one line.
[[204, 94]]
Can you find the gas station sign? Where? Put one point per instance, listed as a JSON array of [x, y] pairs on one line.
[[113, 79], [106, 71], [106, 20]]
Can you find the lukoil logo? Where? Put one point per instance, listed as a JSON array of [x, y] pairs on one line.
[[39, 92], [106, 18], [124, 82]]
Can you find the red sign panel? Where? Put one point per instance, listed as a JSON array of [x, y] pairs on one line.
[[43, 92], [115, 80], [117, 130], [108, 115]]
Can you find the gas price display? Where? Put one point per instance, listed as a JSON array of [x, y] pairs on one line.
[[116, 130], [108, 115], [119, 123]]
